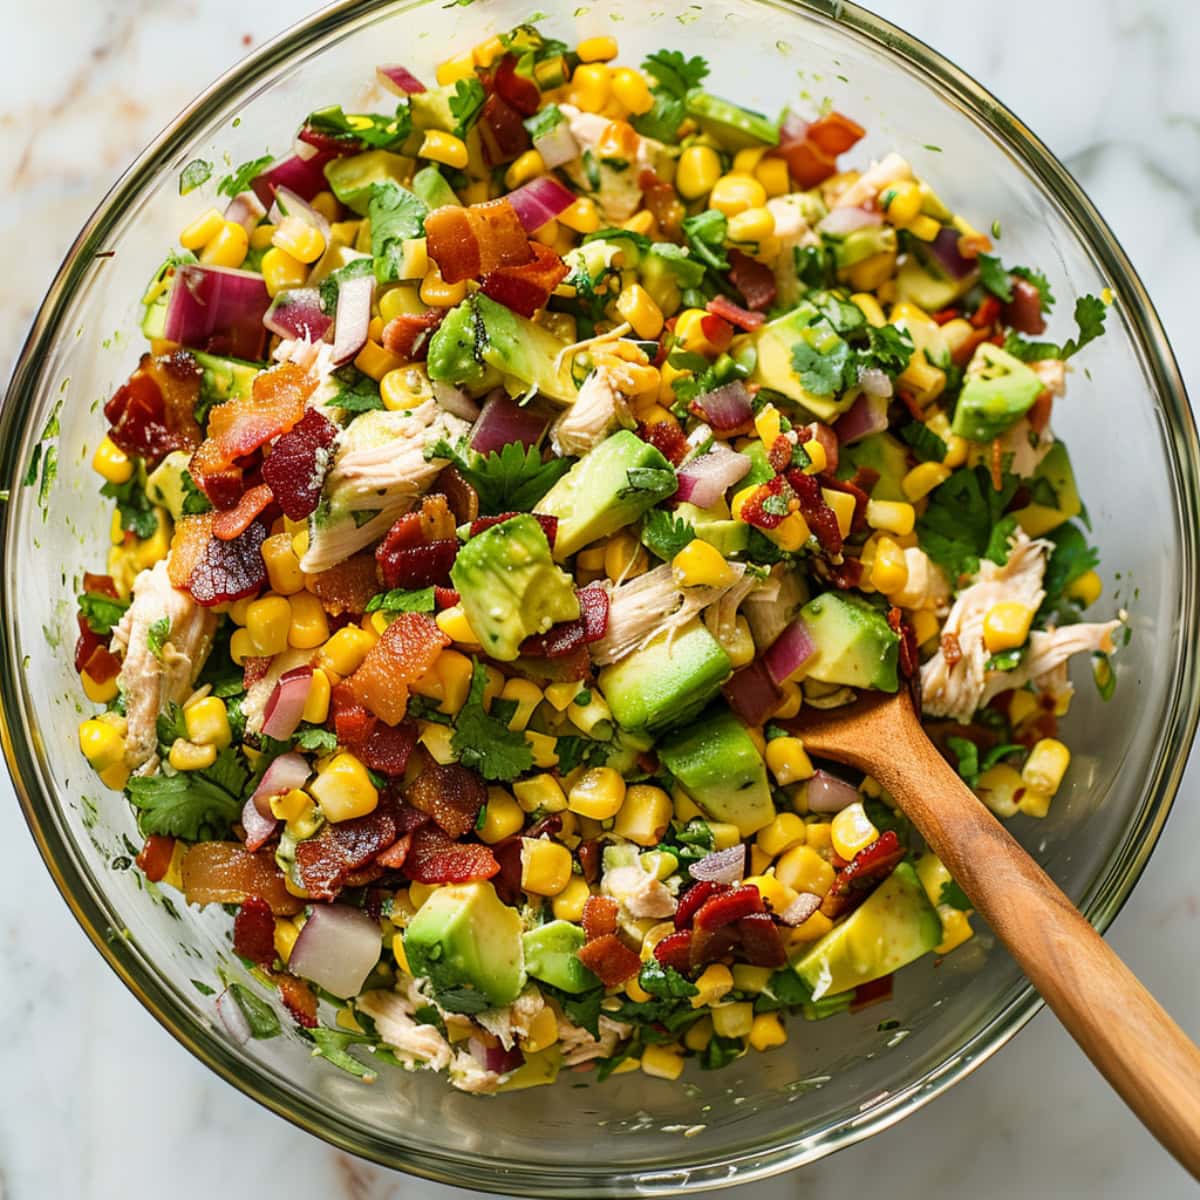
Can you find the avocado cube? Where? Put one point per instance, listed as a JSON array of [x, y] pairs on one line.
[[998, 392], [609, 487], [352, 178], [668, 680], [431, 188], [855, 645], [761, 470], [773, 368], [736, 128], [929, 291], [893, 926], [164, 485], [552, 955], [720, 767], [1038, 519], [728, 536], [455, 352], [510, 586], [879, 452], [523, 350], [431, 109], [467, 943], [862, 244]]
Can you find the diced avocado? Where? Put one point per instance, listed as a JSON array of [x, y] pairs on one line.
[[518, 347], [351, 178], [510, 586], [598, 495], [538, 1068], [863, 244], [222, 379], [727, 535], [736, 128], [431, 188], [774, 369], [1055, 470], [552, 955], [720, 767], [760, 471], [624, 750], [930, 292], [999, 390], [893, 926], [855, 645], [164, 485], [880, 452], [431, 109], [668, 680], [467, 943], [454, 352]]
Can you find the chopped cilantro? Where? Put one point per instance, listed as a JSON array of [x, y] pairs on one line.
[[330, 1044], [664, 535], [1090, 313], [954, 896], [316, 740], [376, 130], [196, 174], [396, 215], [101, 612], [574, 751], [1070, 558], [194, 805], [462, 1000], [660, 481], [958, 527], [195, 501], [665, 982], [673, 76], [400, 600], [544, 121], [241, 177], [820, 361], [926, 445], [485, 744], [156, 636], [705, 233], [260, 1016], [720, 1052], [465, 104], [357, 393], [137, 513], [995, 277], [512, 479], [1005, 660], [816, 266]]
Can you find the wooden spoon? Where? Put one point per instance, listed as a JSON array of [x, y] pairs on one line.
[[1129, 1037]]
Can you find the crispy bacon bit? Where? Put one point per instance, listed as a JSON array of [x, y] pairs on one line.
[[859, 520], [420, 548], [351, 722], [515, 89], [393, 858], [436, 858], [779, 456], [593, 612], [154, 412], [230, 523], [408, 334], [588, 853], [298, 998], [663, 203], [845, 575], [835, 133], [1024, 311], [610, 960], [811, 152], [761, 944], [99, 585], [226, 873], [468, 243], [693, 898], [402, 655], [549, 524], [154, 858], [727, 907], [346, 587], [865, 478], [951, 650], [667, 438], [526, 288], [325, 862], [297, 464], [444, 597], [388, 748], [462, 498], [866, 869], [102, 665], [502, 131], [675, 951], [254, 932], [909, 662], [709, 945], [821, 519], [599, 917], [569, 668], [568, 636], [452, 795], [211, 570], [756, 282]]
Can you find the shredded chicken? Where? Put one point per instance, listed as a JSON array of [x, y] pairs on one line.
[[513, 1020], [639, 892], [1048, 651], [379, 469], [648, 605], [890, 169], [468, 1076], [1053, 373], [927, 585], [150, 683], [770, 607], [416, 1044], [721, 616], [578, 1046], [792, 214], [600, 409], [619, 194]]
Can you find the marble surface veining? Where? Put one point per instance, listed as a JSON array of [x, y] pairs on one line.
[[97, 1101]]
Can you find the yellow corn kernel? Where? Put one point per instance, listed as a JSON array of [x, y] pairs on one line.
[[868, 305], [241, 647], [207, 723], [343, 788], [597, 49], [267, 623], [540, 793], [377, 361], [326, 203], [662, 1062], [527, 696], [818, 460], [283, 567], [775, 893], [956, 929], [1086, 589], [644, 816], [280, 271], [489, 51], [443, 147], [543, 747], [187, 756], [103, 745], [768, 425], [453, 623], [852, 831], [786, 830], [999, 788], [753, 225], [437, 739], [308, 627], [760, 861], [399, 301], [635, 991], [228, 248], [150, 550], [1034, 803], [789, 706], [344, 652], [789, 763], [291, 805], [501, 818], [526, 167], [772, 173], [461, 66], [545, 866], [630, 88], [316, 706], [733, 194], [202, 230], [1006, 626], [724, 833], [892, 516], [699, 564], [812, 930], [304, 242], [714, 982], [685, 808], [99, 693], [591, 86], [792, 532], [418, 893], [582, 216], [598, 793], [820, 835], [300, 543], [804, 870], [925, 228], [568, 904], [543, 1032], [641, 222], [733, 1020], [561, 694], [453, 671], [438, 294], [112, 463], [923, 478], [889, 569], [842, 504], [925, 626], [751, 980], [261, 235], [285, 937], [698, 171], [1046, 765], [901, 202], [635, 306], [624, 557], [767, 1031]]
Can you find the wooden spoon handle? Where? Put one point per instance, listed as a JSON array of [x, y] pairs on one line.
[[1129, 1037]]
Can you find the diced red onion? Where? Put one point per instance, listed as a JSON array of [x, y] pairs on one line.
[[828, 794], [727, 407], [246, 210], [304, 176], [558, 146], [540, 200], [285, 708], [800, 909], [353, 317], [455, 400], [944, 248], [302, 149], [841, 221], [875, 382], [501, 1061], [828, 440], [722, 866], [751, 693], [232, 1017], [298, 314], [867, 415], [286, 772], [789, 652], [259, 829], [218, 304], [503, 420], [706, 479], [337, 949], [399, 79], [793, 129]]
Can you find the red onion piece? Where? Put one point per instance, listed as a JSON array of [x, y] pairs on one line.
[[540, 200], [233, 1018], [727, 407], [944, 248], [867, 415], [706, 479], [286, 772], [501, 1061], [353, 317], [875, 383], [558, 146], [285, 708], [298, 314], [337, 949], [503, 420], [399, 79], [789, 652], [305, 177], [846, 220], [1024, 311], [828, 794], [455, 400], [288, 206], [302, 149], [793, 129], [800, 909], [259, 829], [722, 866], [752, 694], [246, 210], [218, 306]]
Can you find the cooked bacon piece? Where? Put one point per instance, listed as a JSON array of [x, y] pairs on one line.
[[420, 548], [444, 597], [434, 857], [227, 873], [710, 945], [230, 523], [568, 636], [756, 282], [502, 131], [388, 748], [588, 853], [526, 288], [298, 998], [951, 650], [462, 498], [593, 612], [599, 916], [393, 858], [768, 505], [254, 932], [408, 334], [870, 866], [214, 571], [844, 575], [821, 519], [738, 317], [153, 413], [296, 466], [779, 456], [663, 203], [154, 858], [761, 945], [728, 906], [351, 721], [346, 587], [452, 795], [468, 243], [610, 960], [507, 880], [549, 524], [1024, 311], [859, 520], [909, 662], [675, 951], [326, 862], [568, 668], [407, 649], [254, 668], [515, 89], [667, 438], [693, 898], [835, 133]]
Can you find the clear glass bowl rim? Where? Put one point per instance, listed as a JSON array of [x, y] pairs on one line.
[[1104, 901]]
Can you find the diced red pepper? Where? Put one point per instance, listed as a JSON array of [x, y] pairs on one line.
[[693, 898], [610, 960], [599, 916], [870, 866], [154, 858], [835, 133], [761, 944], [675, 951], [807, 163], [254, 932], [727, 907], [984, 317]]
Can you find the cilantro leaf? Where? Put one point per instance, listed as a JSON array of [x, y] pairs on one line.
[[194, 500], [1090, 314], [316, 740], [196, 174], [101, 612], [967, 754], [331, 1045], [400, 600], [816, 266], [997, 546], [785, 989], [583, 1010], [821, 371], [954, 896], [260, 1016], [377, 130], [485, 744], [889, 349], [462, 1000], [1039, 281], [573, 750], [705, 233], [720, 1052], [665, 535], [544, 121], [665, 982], [687, 271], [156, 636], [994, 277], [194, 805], [241, 177], [957, 528], [465, 103], [996, 753], [1070, 558], [659, 481], [396, 215], [512, 479], [137, 513], [674, 73], [926, 445]]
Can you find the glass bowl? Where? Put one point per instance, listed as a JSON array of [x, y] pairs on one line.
[[835, 1082]]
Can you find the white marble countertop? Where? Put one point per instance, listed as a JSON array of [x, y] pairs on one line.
[[96, 1100]]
